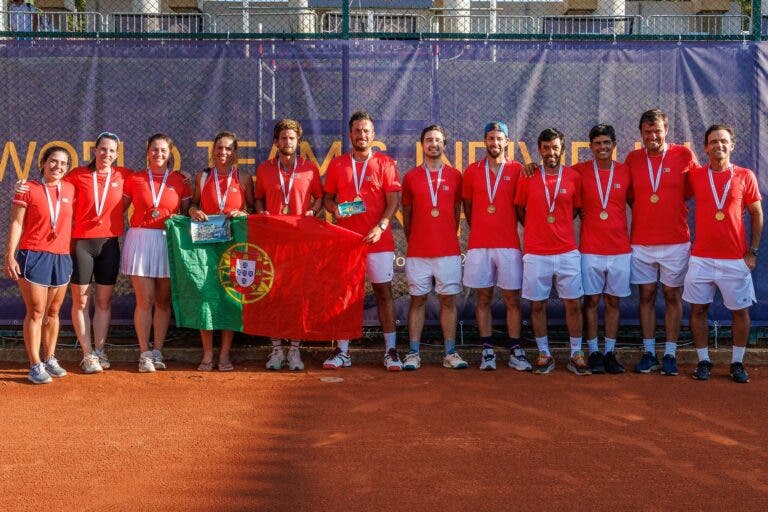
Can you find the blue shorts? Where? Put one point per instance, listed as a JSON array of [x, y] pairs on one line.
[[45, 268]]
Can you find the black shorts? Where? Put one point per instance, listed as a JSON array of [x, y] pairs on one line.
[[97, 258]]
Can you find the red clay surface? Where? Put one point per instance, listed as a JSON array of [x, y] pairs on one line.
[[431, 440]]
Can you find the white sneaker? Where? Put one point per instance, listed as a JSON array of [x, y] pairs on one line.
[[146, 362], [103, 360], [157, 360], [518, 361], [90, 364], [392, 361], [38, 375], [294, 359], [276, 358], [488, 361], [53, 368], [337, 359], [455, 362], [412, 361]]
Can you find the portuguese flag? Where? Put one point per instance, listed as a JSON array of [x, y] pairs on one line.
[[282, 276]]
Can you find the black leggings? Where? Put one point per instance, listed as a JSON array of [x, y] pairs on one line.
[[97, 258]]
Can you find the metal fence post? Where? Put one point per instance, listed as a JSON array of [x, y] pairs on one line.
[[757, 19]]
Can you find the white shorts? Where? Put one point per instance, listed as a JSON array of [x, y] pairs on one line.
[[606, 274], [732, 277], [539, 270], [380, 266], [485, 268], [665, 263], [145, 253], [446, 270]]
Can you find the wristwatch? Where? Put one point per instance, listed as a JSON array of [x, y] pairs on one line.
[[754, 251], [383, 226]]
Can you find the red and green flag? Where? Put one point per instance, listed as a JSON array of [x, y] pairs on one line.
[[287, 277]]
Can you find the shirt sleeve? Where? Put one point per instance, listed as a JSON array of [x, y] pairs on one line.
[[331, 176], [258, 191], [751, 190], [316, 187], [407, 199], [391, 177], [466, 184], [521, 191]]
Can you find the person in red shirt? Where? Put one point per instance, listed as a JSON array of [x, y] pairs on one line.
[[156, 194], [604, 244], [37, 257], [371, 178], [720, 257], [493, 251], [288, 185], [431, 215], [546, 204], [659, 237], [221, 189]]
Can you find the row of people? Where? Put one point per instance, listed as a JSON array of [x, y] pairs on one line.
[[495, 194]]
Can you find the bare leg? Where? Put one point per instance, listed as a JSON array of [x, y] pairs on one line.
[[699, 329], [448, 316], [162, 317], [50, 331], [386, 305], [416, 312], [102, 314], [612, 315], [673, 299], [483, 313], [35, 299], [647, 310], [573, 317], [590, 316], [81, 318], [144, 288], [514, 320]]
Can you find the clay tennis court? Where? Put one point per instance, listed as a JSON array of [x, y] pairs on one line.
[[431, 440]]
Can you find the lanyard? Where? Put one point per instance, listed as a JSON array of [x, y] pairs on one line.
[[156, 198], [720, 201], [359, 182], [287, 193], [492, 193], [604, 196], [655, 179], [433, 191], [550, 201], [100, 205], [53, 213], [222, 200]]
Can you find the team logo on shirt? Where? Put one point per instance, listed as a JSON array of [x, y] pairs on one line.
[[246, 272]]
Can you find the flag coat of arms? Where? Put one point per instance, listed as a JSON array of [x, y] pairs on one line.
[[282, 276]]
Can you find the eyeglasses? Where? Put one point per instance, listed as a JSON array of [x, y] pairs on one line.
[[108, 135]]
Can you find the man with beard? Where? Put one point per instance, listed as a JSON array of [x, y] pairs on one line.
[[546, 204], [493, 251], [431, 215], [371, 178], [287, 185], [720, 258], [604, 244], [660, 237]]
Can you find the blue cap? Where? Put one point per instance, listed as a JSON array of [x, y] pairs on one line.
[[496, 125]]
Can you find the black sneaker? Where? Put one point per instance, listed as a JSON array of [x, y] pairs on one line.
[[648, 363], [703, 369], [669, 365], [596, 363], [611, 364], [739, 374]]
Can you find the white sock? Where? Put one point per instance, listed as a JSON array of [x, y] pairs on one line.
[[575, 345], [343, 345], [610, 345], [295, 343], [670, 347], [649, 345], [276, 342], [390, 340], [703, 353], [592, 344], [543, 344], [738, 354]]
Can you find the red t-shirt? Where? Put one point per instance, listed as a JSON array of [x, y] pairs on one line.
[[36, 231], [540, 236], [666, 221], [432, 237], [306, 186], [604, 236], [209, 201], [137, 189], [87, 222], [492, 230], [381, 178], [727, 238]]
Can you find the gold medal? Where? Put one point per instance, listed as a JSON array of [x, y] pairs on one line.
[[720, 215], [435, 212], [358, 198], [155, 213], [603, 215], [654, 198], [491, 208], [551, 218], [285, 209]]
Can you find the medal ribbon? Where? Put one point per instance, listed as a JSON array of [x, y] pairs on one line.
[[359, 182], [156, 198], [655, 179], [222, 199], [53, 213], [604, 196], [551, 202], [287, 193], [100, 205], [433, 192], [492, 194], [720, 201]]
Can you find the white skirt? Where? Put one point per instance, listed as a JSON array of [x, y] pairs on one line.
[[145, 253]]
